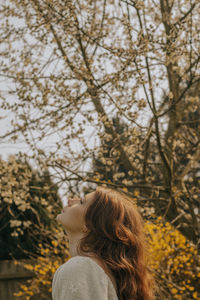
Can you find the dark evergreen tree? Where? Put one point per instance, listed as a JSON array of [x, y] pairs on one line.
[[24, 223]]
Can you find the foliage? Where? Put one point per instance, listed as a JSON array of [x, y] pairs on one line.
[[43, 268], [173, 260], [73, 65], [29, 203], [110, 170], [106, 164]]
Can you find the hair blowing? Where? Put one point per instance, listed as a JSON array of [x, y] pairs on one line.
[[115, 234]]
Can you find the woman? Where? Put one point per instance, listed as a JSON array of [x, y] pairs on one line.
[[107, 248]]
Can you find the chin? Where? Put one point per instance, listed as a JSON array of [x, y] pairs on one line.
[[58, 218]]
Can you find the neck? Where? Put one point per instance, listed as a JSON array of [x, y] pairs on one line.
[[74, 239]]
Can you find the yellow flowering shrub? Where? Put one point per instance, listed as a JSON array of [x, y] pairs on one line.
[[175, 261], [44, 268]]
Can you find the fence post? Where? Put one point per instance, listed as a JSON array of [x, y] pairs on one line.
[[11, 275]]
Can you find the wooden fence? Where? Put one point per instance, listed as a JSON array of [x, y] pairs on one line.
[[11, 275]]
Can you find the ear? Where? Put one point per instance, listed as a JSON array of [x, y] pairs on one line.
[[84, 229]]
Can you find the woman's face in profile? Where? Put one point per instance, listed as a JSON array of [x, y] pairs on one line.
[[72, 215]]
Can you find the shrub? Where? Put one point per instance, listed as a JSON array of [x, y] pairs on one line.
[[29, 203], [173, 260], [44, 268]]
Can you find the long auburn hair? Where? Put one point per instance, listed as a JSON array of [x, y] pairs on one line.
[[115, 235]]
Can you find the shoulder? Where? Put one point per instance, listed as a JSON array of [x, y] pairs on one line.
[[77, 261], [80, 265], [80, 278]]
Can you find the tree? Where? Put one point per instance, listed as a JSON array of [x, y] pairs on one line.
[[74, 65], [29, 203]]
